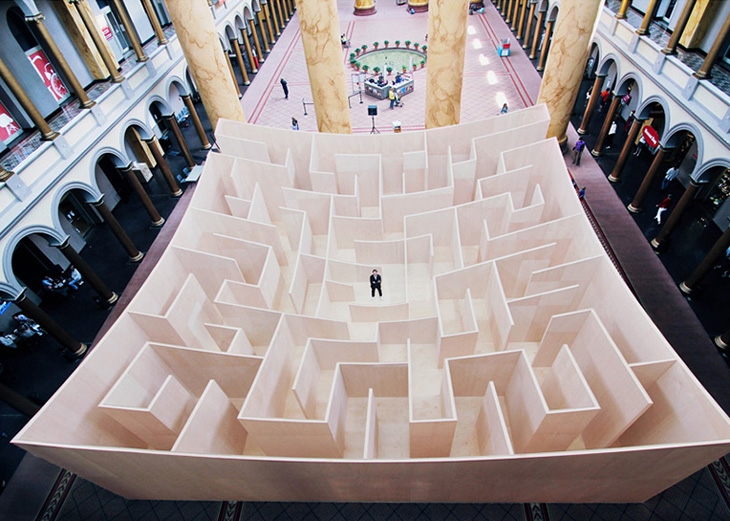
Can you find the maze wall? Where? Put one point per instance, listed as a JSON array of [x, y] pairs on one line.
[[506, 361]]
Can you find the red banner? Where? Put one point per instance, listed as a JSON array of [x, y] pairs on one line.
[[47, 73], [8, 126], [651, 136]]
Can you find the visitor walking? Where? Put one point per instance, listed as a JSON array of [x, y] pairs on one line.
[[578, 151], [285, 87]]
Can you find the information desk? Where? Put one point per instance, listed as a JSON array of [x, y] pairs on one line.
[[405, 86]]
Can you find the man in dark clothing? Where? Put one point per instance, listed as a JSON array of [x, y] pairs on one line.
[[284, 86], [375, 281]]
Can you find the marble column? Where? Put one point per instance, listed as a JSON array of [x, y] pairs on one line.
[[591, 105], [716, 252], [447, 23], [671, 223], [625, 4], [618, 168], [545, 45], [134, 254], [536, 35], [320, 28], [418, 5], [249, 52], [635, 205], [671, 47], [171, 122], [156, 26], [264, 33], [364, 7], [610, 116], [717, 45], [274, 13], [128, 172], [239, 58], [69, 16], [106, 55], [33, 311], [256, 44], [41, 124], [521, 23], [155, 148], [270, 26], [50, 44], [106, 296], [648, 17], [567, 62], [530, 18], [130, 30], [208, 64], [188, 100]]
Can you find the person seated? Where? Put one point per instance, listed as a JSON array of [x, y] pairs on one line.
[[343, 40], [381, 81], [398, 78]]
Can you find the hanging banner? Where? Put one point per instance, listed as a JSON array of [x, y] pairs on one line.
[[8, 126], [47, 73]]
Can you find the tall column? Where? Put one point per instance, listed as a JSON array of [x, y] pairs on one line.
[[156, 26], [233, 77], [648, 17], [239, 57], [503, 7], [536, 35], [671, 47], [188, 100], [164, 167], [279, 14], [206, 59], [107, 296], [284, 10], [567, 62], [521, 24], [618, 168], [128, 172], [134, 254], [447, 23], [320, 28], [530, 18], [254, 34], [41, 124], [591, 105], [29, 308], [704, 71], [625, 4], [271, 11], [50, 44], [249, 52], [364, 7], [516, 14], [76, 30], [511, 11], [18, 402], [264, 34], [545, 45], [635, 205], [130, 30], [688, 286], [111, 64], [171, 122], [671, 223], [269, 25], [598, 148]]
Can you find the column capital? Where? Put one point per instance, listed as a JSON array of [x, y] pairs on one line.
[[5, 174], [38, 17]]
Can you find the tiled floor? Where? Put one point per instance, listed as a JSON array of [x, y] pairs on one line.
[[488, 82]]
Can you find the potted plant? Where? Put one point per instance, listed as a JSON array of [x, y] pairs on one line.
[[416, 45], [364, 47], [405, 69], [357, 51], [424, 48], [365, 68], [408, 44], [376, 70], [397, 43], [352, 55], [390, 70], [386, 42], [357, 66], [376, 44], [423, 63]]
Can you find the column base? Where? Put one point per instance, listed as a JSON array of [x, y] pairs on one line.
[[111, 300], [685, 289], [655, 244], [719, 343], [83, 348], [207, 147], [669, 52], [539, 69], [246, 83], [620, 17], [642, 32], [143, 59], [614, 179], [526, 46], [633, 209], [50, 136], [88, 104], [582, 131], [159, 223], [419, 8], [364, 12], [596, 153], [137, 257], [119, 79], [701, 75], [178, 193], [254, 71]]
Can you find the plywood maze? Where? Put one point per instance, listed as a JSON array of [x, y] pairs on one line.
[[507, 360]]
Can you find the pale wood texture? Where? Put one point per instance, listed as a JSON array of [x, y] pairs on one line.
[[506, 355]]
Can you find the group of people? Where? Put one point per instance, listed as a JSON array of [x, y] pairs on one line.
[[69, 280], [26, 331]]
